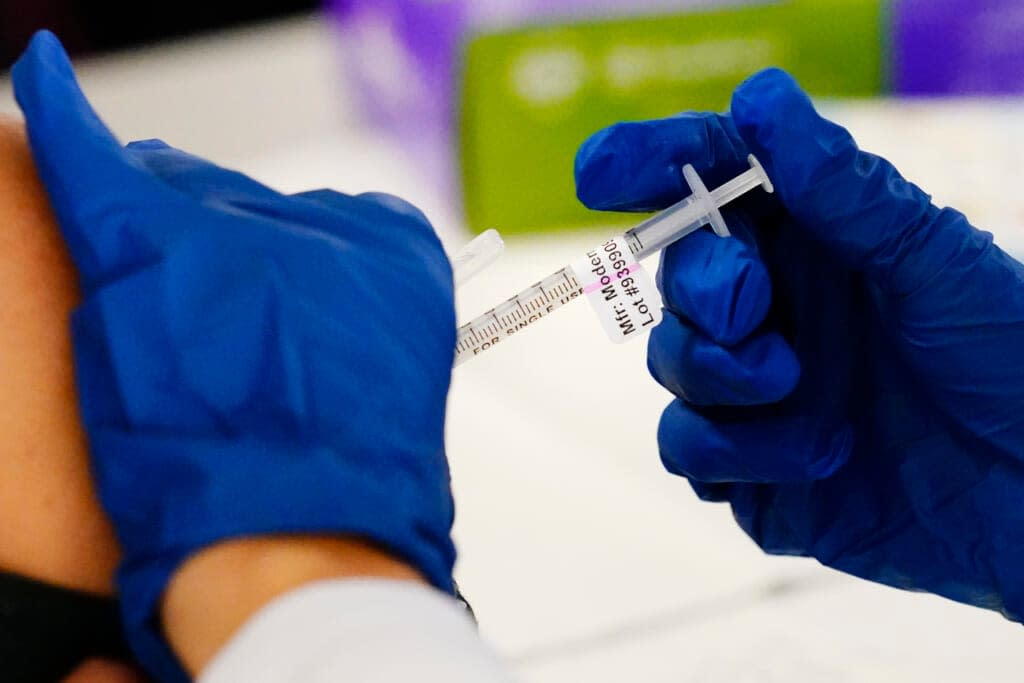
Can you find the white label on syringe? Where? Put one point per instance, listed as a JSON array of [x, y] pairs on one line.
[[619, 290]]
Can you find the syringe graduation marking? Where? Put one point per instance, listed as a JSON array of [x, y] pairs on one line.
[[535, 302], [517, 312]]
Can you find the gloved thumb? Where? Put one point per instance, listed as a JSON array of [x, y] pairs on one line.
[[92, 185], [855, 204]]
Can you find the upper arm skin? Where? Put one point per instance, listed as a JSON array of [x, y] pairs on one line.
[[51, 524]]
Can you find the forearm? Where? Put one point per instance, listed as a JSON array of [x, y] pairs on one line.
[[217, 590], [359, 630]]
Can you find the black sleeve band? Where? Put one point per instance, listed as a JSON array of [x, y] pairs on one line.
[[46, 631]]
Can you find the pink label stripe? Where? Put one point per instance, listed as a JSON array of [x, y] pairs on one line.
[[594, 286]]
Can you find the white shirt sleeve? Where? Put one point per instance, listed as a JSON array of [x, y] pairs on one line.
[[357, 631]]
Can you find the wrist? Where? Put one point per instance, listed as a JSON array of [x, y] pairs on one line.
[[246, 487], [214, 592]]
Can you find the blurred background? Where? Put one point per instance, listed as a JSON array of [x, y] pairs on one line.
[[92, 26], [583, 559]]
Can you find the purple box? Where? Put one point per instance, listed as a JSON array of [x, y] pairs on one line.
[[958, 47]]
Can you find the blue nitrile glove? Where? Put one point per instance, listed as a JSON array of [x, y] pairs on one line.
[[248, 363], [850, 369]]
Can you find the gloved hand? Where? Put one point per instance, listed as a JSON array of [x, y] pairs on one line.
[[248, 362], [849, 369]]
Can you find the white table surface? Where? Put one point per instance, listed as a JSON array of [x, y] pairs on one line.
[[583, 559]]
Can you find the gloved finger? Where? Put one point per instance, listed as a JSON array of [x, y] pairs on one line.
[[855, 204], [398, 205], [720, 285], [755, 509], [762, 369], [411, 215], [756, 445], [85, 170], [212, 184], [637, 166], [712, 493], [331, 199], [197, 177], [381, 200], [389, 208], [404, 223]]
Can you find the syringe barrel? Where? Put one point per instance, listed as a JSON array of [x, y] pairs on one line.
[[745, 182], [664, 228], [694, 212], [736, 187]]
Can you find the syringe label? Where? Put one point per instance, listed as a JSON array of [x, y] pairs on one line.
[[599, 284], [619, 290]]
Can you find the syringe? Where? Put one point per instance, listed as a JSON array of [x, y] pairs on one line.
[[652, 235]]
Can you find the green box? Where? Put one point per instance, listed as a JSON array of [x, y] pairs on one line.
[[531, 95]]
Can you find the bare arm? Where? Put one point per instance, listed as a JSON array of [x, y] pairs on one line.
[[52, 526], [216, 591]]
